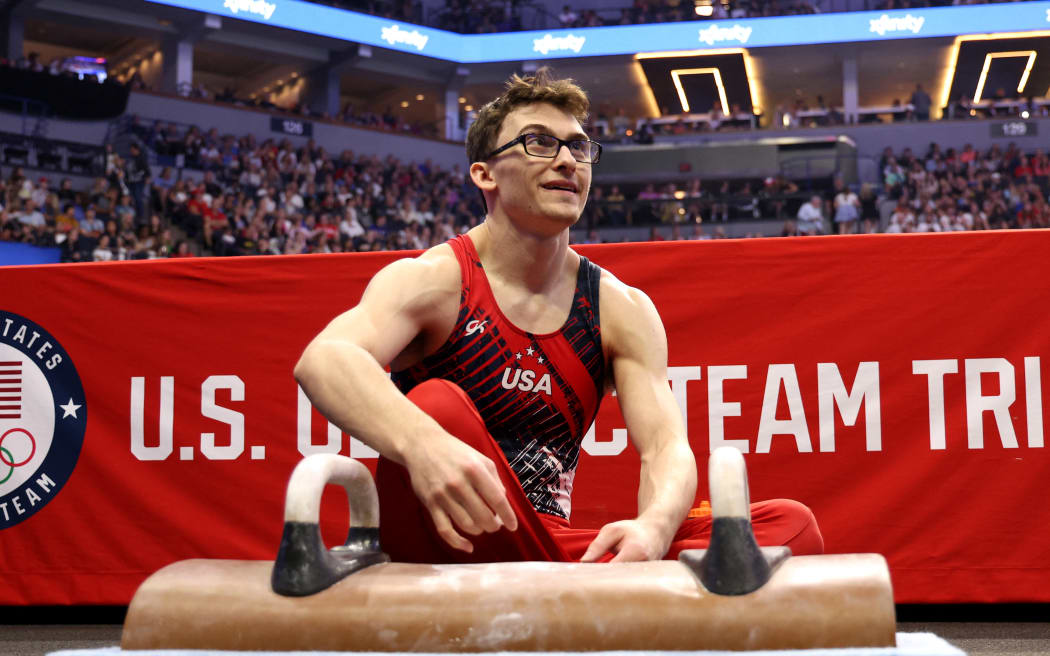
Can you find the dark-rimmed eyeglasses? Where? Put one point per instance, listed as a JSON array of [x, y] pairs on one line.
[[584, 151]]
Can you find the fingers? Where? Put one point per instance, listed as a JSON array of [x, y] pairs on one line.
[[605, 542], [461, 513], [495, 496], [449, 534], [471, 500], [482, 498], [473, 515], [629, 540], [630, 552]]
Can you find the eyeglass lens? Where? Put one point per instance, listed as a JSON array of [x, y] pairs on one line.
[[542, 145]]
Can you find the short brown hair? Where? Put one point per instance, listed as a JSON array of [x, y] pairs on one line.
[[540, 87]]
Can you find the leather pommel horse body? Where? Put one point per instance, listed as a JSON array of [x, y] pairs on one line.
[[733, 595]]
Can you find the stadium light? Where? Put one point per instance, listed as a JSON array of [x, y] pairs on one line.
[[647, 91], [676, 76], [1030, 54], [953, 57], [749, 69]]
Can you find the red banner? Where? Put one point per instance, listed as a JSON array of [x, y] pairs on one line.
[[893, 383]]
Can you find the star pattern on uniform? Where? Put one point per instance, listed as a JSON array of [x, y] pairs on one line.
[[70, 409], [530, 351]]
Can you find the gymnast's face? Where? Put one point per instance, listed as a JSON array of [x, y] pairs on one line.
[[544, 191]]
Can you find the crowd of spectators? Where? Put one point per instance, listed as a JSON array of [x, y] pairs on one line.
[[244, 197], [941, 190], [249, 198], [963, 189]]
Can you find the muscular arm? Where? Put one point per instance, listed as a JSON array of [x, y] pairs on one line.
[[342, 373], [638, 351]]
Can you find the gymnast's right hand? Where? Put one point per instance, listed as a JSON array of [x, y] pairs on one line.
[[460, 488]]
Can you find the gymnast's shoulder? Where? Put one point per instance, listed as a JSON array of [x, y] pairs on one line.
[[629, 319], [422, 281], [617, 299]]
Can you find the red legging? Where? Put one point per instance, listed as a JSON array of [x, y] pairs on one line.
[[408, 534]]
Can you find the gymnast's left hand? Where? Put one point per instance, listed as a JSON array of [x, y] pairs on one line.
[[630, 540]]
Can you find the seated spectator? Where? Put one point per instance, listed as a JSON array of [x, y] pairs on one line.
[[776, 191], [29, 214], [847, 209], [568, 17], [103, 252], [810, 217], [960, 109], [745, 203], [65, 220], [125, 209]]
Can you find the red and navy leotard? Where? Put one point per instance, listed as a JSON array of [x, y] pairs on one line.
[[537, 394]]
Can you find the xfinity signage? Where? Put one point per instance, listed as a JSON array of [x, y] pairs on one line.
[[550, 43], [906, 23], [394, 36], [630, 39], [717, 34], [260, 8]]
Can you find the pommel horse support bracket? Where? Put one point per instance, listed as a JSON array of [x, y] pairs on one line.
[[731, 596]]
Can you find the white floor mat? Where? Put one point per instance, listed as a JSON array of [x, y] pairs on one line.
[[908, 644]]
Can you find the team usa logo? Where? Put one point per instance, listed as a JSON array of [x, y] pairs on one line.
[[525, 379], [43, 415]]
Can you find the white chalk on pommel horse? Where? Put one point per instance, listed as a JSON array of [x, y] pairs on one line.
[[731, 596]]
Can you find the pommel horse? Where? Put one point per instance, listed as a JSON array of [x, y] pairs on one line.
[[733, 595]]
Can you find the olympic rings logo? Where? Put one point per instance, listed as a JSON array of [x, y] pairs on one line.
[[8, 459]]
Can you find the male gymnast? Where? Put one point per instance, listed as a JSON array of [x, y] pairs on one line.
[[501, 343]]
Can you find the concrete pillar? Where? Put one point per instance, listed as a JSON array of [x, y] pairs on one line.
[[850, 92], [449, 111], [177, 76], [322, 91], [13, 35]]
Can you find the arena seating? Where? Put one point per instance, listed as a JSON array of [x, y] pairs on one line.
[[236, 196]]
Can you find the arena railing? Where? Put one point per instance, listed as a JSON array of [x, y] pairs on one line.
[[30, 110], [51, 155]]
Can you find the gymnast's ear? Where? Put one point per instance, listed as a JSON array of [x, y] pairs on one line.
[[481, 175]]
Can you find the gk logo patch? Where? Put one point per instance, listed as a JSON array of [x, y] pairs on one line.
[[43, 415], [475, 326]]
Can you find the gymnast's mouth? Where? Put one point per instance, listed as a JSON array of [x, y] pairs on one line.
[[561, 185]]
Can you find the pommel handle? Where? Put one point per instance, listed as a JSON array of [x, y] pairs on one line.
[[733, 563], [303, 565]]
